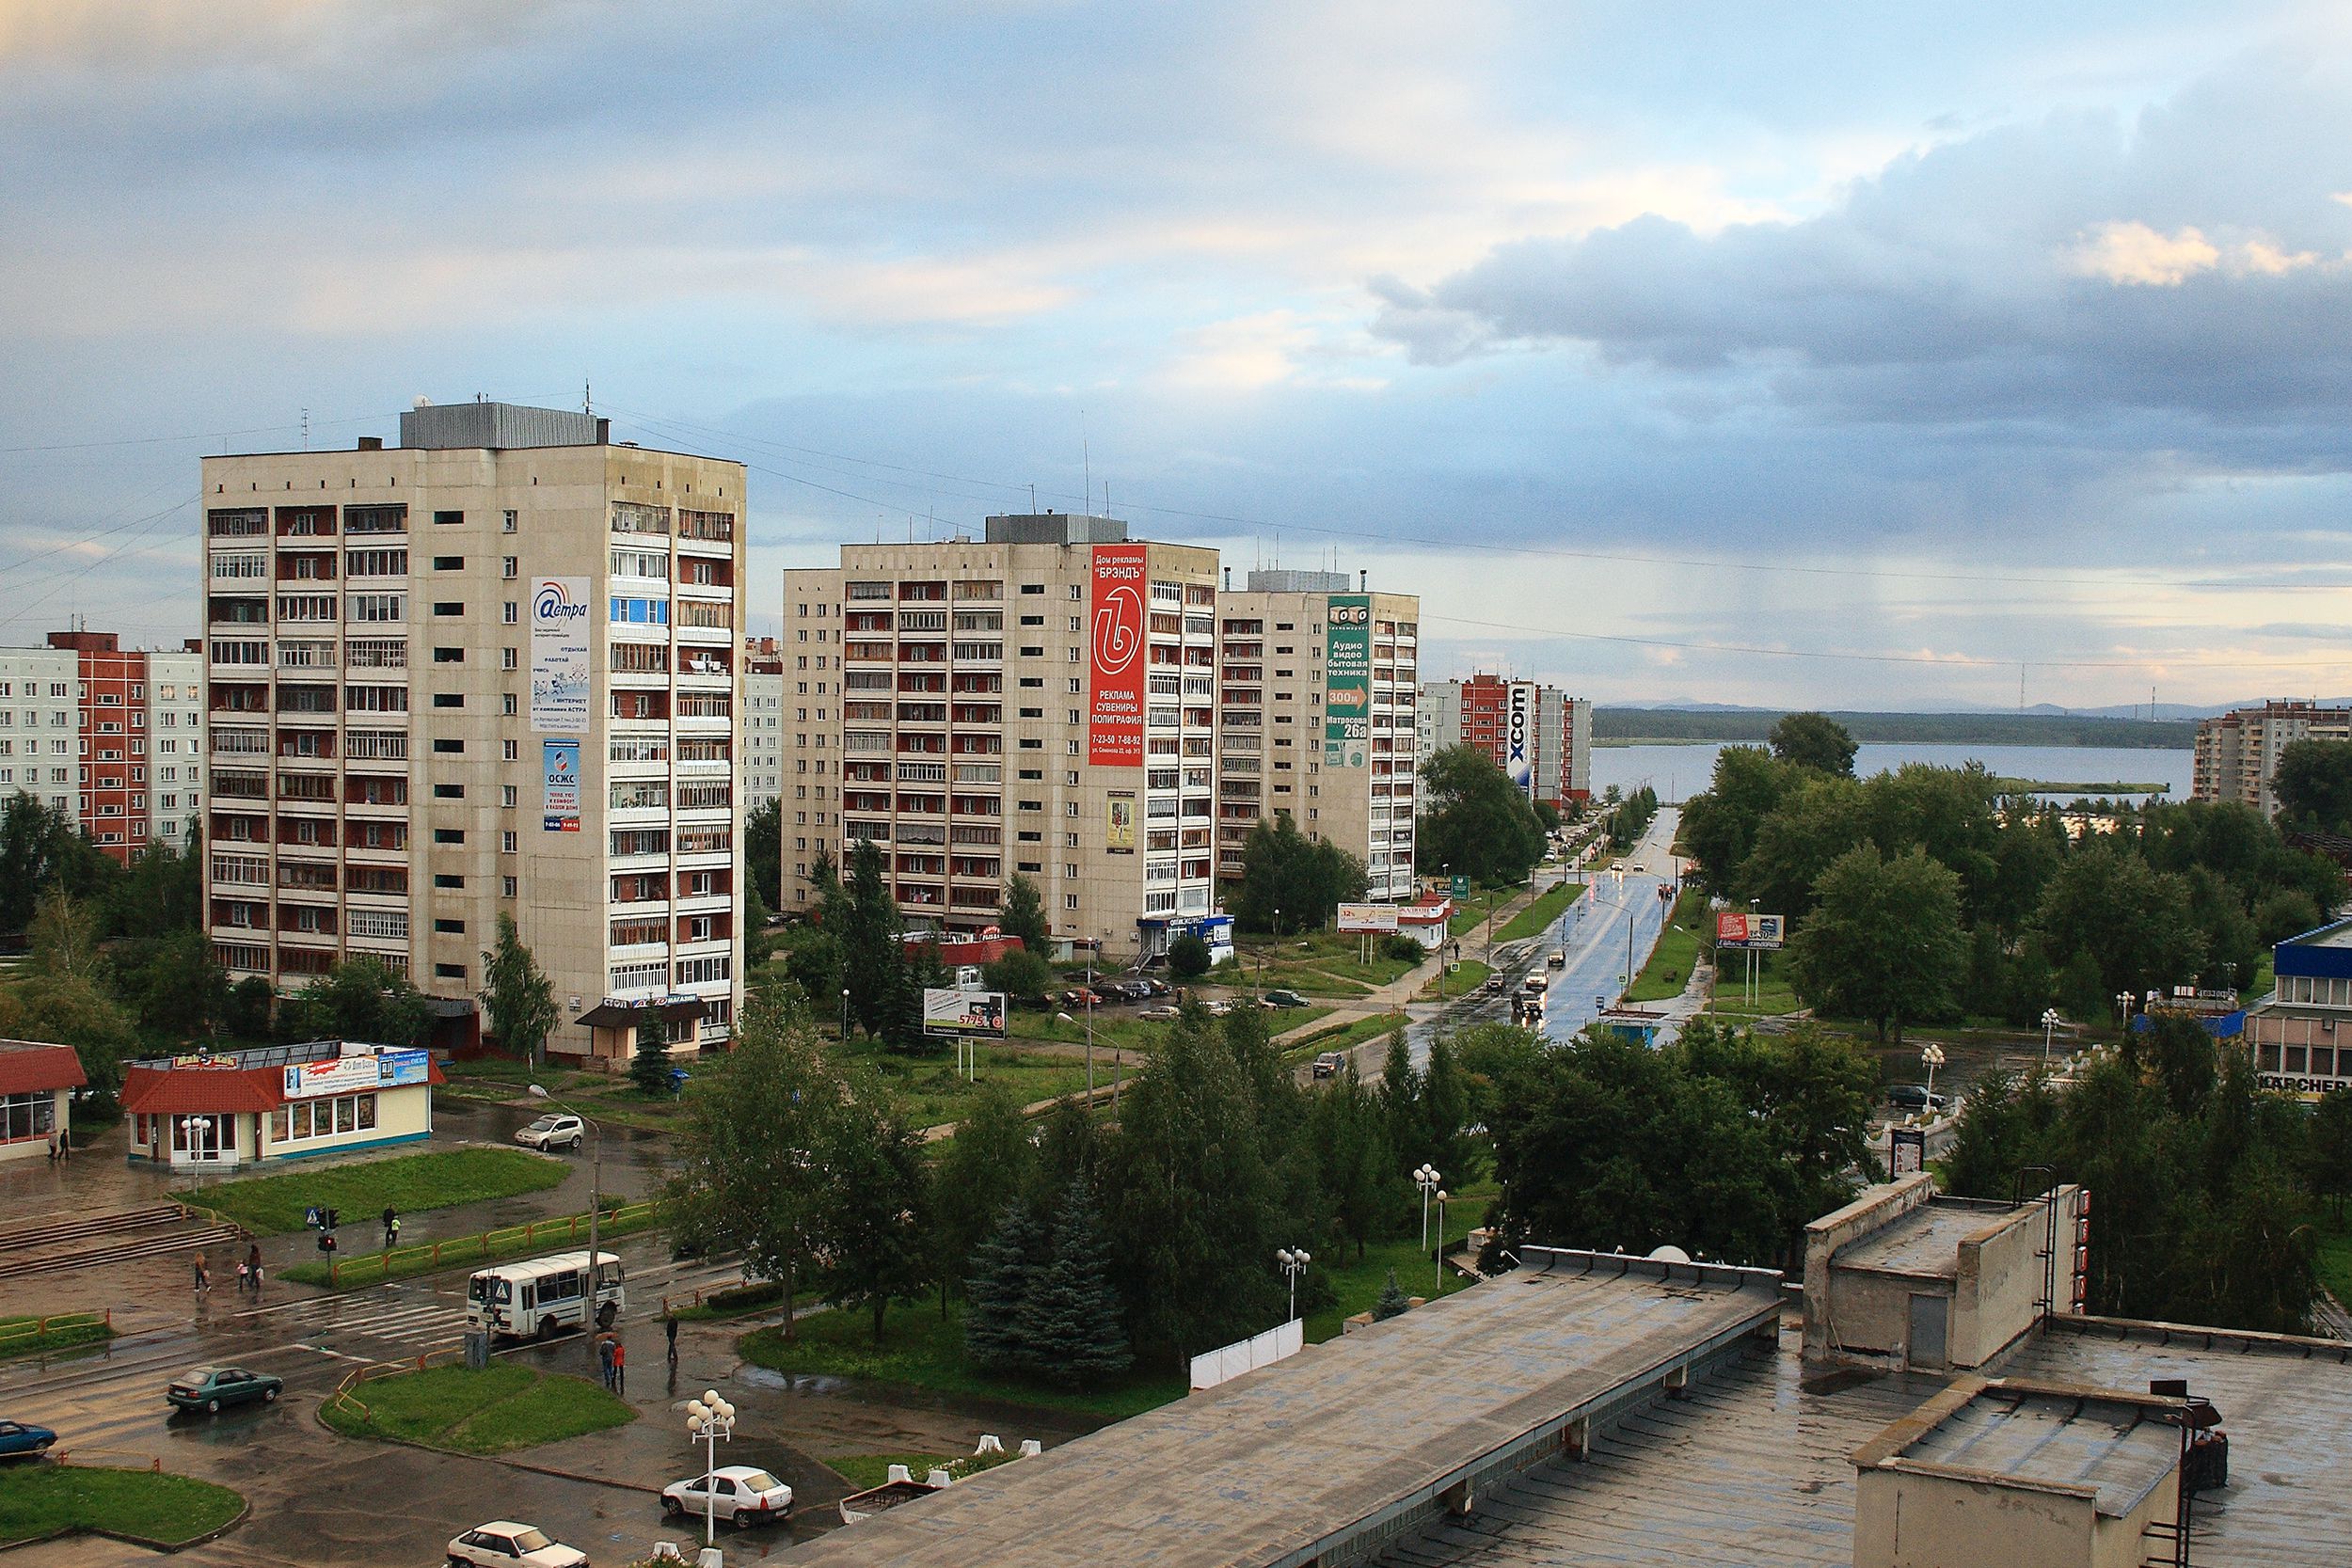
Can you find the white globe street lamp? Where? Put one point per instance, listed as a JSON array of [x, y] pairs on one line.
[[2049, 1022], [710, 1419], [1427, 1179], [1294, 1262], [1933, 1054]]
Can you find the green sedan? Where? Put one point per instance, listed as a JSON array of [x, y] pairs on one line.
[[207, 1389]]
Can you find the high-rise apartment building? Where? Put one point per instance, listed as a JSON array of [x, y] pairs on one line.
[[1317, 688], [1539, 734], [2237, 753], [491, 671], [1039, 701], [113, 737], [761, 730]]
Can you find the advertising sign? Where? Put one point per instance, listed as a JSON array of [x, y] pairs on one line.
[[1907, 1151], [1347, 680], [560, 634], [1457, 887], [400, 1068], [963, 1012], [1115, 661], [1119, 822], [1518, 752], [1749, 930], [357, 1074], [1368, 917], [561, 805]]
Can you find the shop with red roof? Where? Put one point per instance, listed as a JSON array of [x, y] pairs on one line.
[[224, 1108], [36, 1085]]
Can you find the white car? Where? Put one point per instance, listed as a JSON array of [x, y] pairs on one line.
[[501, 1543], [552, 1132], [737, 1493]]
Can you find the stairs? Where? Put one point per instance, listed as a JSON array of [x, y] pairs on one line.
[[91, 1239]]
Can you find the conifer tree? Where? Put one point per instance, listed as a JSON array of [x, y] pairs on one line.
[[1075, 1334], [1391, 1302], [998, 1291]]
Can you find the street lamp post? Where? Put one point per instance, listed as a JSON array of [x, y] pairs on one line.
[[710, 1419], [1427, 1179], [2123, 1008], [2049, 1022], [595, 1210], [1294, 1262], [845, 1015], [1445, 869], [1440, 1258], [1065, 1018], [1933, 1054]]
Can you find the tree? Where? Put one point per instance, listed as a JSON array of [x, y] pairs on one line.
[[359, 999], [77, 1012], [163, 891], [871, 1212], [1188, 957], [1391, 1303], [518, 999], [872, 964], [2136, 922], [1291, 881], [1024, 916], [40, 847], [988, 1163], [1475, 821], [749, 1154], [1020, 974], [649, 1063], [1811, 1091], [2313, 783], [1719, 825], [1813, 741], [63, 937], [1354, 1161], [763, 850], [1885, 943], [1002, 1281], [176, 986], [1073, 1317], [2330, 1149]]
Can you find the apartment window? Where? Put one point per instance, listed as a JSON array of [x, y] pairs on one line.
[[510, 658], [449, 517], [449, 792], [448, 835], [450, 927], [449, 699], [448, 607], [641, 563], [506, 704], [1069, 901], [507, 795], [510, 612], [449, 971], [446, 880], [506, 885], [507, 845], [449, 655], [510, 751], [449, 562], [443, 746], [509, 567], [507, 524]]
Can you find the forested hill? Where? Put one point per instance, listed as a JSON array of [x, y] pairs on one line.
[[1974, 729]]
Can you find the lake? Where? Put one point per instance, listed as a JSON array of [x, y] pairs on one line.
[[1676, 771]]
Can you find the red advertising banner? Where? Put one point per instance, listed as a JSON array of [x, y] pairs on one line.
[[1731, 929], [1116, 662]]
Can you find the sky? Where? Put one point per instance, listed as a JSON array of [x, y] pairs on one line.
[[1814, 355]]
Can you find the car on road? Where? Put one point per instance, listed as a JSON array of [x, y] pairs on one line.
[[1328, 1064], [1557, 960], [19, 1441], [1217, 1006], [1162, 1011], [1284, 999], [207, 1389], [1914, 1097], [503, 1541], [1125, 990], [740, 1493], [553, 1131]]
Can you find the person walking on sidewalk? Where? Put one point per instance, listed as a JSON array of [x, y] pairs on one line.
[[620, 1365], [253, 1265], [669, 1329], [604, 1357]]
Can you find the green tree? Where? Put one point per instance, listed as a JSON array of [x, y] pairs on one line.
[[2328, 1151], [763, 850], [1072, 1318], [163, 891], [1358, 1168], [871, 1212], [1819, 820], [1188, 957], [518, 999], [2313, 783], [999, 1288], [1291, 881], [1811, 1093], [175, 985], [78, 1013], [987, 1162], [1475, 821], [1720, 824], [359, 999], [649, 1063], [1885, 942], [2136, 922], [40, 847], [1024, 916], [1391, 1302], [1813, 741], [872, 963], [1020, 974], [63, 937]]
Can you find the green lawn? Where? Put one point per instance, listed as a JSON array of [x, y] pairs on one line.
[[554, 1234], [1345, 1036], [273, 1205], [1678, 950], [1318, 963], [2335, 1253], [1461, 980], [935, 1093], [602, 1096], [502, 1407], [920, 1350], [26, 1336], [1471, 916], [1538, 917], [1775, 993], [1357, 1282], [39, 1500]]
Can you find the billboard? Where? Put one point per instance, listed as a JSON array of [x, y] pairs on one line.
[[560, 805], [560, 636], [1368, 917], [1519, 752], [963, 1012], [1115, 661], [1119, 822], [1907, 1151], [1749, 930], [357, 1074], [1346, 680]]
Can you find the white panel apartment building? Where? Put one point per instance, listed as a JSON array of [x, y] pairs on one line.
[[112, 737], [761, 730], [1039, 701], [493, 670]]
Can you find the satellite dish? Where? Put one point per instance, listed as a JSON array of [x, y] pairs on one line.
[[1669, 1253]]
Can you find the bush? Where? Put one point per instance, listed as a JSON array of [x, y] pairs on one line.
[[1020, 974], [1188, 958], [1403, 949]]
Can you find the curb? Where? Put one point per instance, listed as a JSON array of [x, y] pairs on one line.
[[319, 1414], [244, 1513]]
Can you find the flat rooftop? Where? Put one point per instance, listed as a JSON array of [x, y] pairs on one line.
[[1925, 1242], [1280, 1465], [2118, 1449]]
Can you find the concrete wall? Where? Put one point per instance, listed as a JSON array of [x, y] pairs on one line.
[[402, 1115], [2001, 1276], [1877, 1208], [1905, 1519]]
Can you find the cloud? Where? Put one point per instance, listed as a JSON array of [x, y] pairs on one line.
[[2132, 253]]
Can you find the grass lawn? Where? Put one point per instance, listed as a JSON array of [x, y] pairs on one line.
[[1320, 964], [26, 1336], [935, 1093], [1678, 950], [920, 1350], [1345, 1036], [555, 1234], [1464, 978], [1774, 994], [44, 1499], [273, 1205], [503, 1407], [1539, 915], [609, 1099], [1358, 1282], [1472, 917], [2335, 1252]]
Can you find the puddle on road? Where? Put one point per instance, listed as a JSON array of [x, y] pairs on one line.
[[798, 1382]]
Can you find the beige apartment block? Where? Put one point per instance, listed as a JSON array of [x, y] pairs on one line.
[[2237, 753], [491, 671], [1036, 701], [1318, 683]]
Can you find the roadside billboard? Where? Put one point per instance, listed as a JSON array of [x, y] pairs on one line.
[[1368, 917], [1347, 680], [1115, 661], [560, 636], [1519, 752], [1764, 931], [963, 1012]]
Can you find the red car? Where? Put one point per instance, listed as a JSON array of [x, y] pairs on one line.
[[1081, 997]]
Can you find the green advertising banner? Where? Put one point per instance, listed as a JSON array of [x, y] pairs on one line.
[[1347, 681]]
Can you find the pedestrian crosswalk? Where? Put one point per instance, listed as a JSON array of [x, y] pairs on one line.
[[415, 1324]]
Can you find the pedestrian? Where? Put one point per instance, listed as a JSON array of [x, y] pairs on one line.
[[244, 1273], [203, 1276], [604, 1357], [53, 1149], [253, 1262], [65, 1144], [391, 1227], [620, 1365], [669, 1328]]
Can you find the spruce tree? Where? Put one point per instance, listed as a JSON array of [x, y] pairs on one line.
[[1392, 1302], [998, 1290], [1076, 1337], [649, 1069]]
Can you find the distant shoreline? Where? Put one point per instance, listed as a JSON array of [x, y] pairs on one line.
[[1625, 726]]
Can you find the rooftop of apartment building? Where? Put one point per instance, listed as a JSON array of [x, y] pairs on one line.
[[486, 425]]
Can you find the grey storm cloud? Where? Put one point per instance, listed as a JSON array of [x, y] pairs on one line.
[[2184, 270]]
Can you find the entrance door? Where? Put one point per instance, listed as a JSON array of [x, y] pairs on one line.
[[1928, 1315]]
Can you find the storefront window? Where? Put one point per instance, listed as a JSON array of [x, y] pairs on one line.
[[367, 1113], [28, 1116]]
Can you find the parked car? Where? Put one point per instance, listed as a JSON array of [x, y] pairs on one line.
[[207, 1389], [1159, 988], [740, 1493], [1328, 1064], [1284, 999], [553, 1131], [1079, 996], [19, 1441], [1162, 1011], [1914, 1097], [1217, 1006], [1125, 990], [503, 1541]]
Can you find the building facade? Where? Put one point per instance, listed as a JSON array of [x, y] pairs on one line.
[[492, 670], [2300, 1035], [278, 1103], [761, 731], [111, 736], [1040, 701], [1539, 735], [36, 1085], [1317, 686], [2237, 753]]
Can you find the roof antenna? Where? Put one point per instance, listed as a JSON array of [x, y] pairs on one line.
[[587, 404], [1085, 458], [305, 430]]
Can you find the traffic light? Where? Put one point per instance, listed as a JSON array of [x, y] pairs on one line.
[[333, 1219]]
